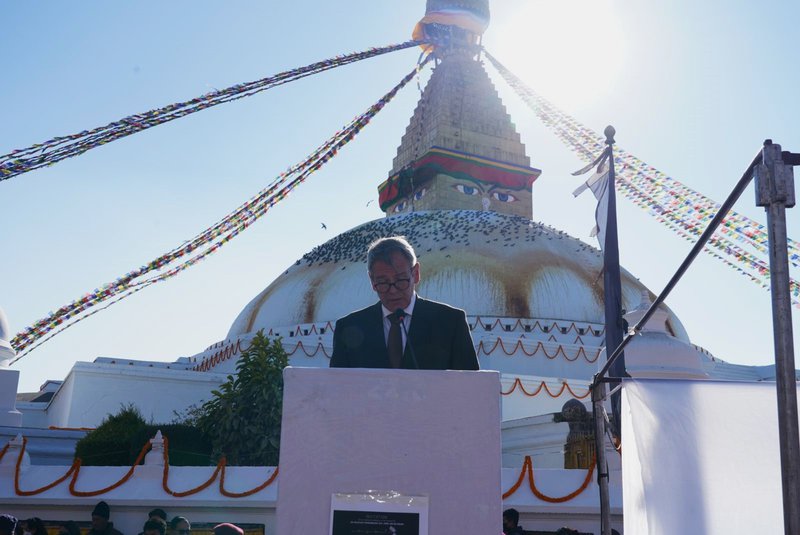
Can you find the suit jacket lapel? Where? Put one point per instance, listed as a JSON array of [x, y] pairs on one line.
[[417, 330]]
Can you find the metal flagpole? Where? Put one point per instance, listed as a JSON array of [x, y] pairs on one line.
[[613, 336], [775, 192], [598, 395], [612, 286]]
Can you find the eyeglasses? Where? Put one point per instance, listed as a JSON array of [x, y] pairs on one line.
[[400, 284]]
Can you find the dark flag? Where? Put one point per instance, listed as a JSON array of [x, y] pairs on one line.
[[602, 185]]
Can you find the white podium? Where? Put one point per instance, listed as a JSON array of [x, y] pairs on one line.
[[430, 436]]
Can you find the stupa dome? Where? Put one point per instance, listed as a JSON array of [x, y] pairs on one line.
[[488, 263]]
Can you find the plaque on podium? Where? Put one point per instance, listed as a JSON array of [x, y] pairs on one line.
[[389, 446]]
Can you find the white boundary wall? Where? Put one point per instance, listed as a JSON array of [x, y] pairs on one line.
[[131, 501]]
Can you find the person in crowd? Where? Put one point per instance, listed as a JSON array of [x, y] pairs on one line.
[[69, 528], [100, 521], [227, 529], [511, 522], [180, 526], [155, 526], [34, 526], [156, 514], [401, 330], [8, 524]]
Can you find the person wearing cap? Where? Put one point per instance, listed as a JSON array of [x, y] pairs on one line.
[[100, 523], [180, 526], [227, 529], [8, 524]]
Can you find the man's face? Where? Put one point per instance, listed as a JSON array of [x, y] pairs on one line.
[[99, 523], [399, 273], [507, 524]]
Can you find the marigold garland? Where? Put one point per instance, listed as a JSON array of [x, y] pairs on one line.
[[543, 386], [183, 494], [250, 492], [19, 492], [76, 466], [219, 356], [518, 346], [527, 469], [125, 478]]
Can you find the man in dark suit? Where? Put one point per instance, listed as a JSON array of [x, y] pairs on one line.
[[402, 330]]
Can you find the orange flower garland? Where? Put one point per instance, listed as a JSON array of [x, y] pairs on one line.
[[125, 478], [527, 468], [543, 385], [21, 456], [74, 471]]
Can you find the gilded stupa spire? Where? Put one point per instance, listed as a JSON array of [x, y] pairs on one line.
[[460, 149]]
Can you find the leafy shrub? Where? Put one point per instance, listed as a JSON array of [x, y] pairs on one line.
[[109, 444]]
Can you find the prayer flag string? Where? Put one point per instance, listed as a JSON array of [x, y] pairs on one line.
[[59, 148], [681, 209], [204, 244]]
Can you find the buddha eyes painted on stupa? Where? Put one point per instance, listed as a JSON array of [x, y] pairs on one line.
[[488, 191], [465, 189], [402, 205], [503, 196]]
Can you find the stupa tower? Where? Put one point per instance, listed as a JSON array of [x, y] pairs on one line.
[[460, 150], [459, 189]]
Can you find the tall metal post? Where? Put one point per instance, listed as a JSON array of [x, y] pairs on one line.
[[612, 285], [598, 395], [775, 192]]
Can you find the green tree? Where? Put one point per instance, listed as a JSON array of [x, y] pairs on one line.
[[243, 418], [109, 444]]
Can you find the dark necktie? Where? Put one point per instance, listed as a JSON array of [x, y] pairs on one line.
[[395, 342]]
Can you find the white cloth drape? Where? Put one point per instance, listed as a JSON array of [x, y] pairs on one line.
[[700, 457]]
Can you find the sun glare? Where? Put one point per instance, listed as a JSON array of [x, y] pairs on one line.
[[568, 50]]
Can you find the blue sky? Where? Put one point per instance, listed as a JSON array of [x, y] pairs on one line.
[[693, 88]]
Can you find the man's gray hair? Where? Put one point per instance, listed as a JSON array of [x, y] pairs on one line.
[[382, 250]]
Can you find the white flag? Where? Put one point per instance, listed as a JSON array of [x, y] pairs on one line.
[[598, 183]]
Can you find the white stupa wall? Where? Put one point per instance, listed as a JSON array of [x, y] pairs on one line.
[[92, 391]]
